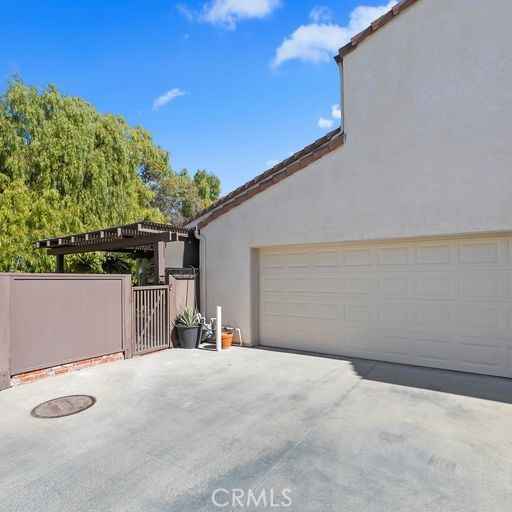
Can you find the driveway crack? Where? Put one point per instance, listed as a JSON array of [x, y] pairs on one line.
[[306, 434]]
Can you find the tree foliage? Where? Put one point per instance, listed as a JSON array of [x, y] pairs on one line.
[[66, 168], [179, 197]]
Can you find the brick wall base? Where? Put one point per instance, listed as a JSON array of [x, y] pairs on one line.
[[23, 378]]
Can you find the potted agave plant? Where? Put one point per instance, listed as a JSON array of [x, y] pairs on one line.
[[189, 328]]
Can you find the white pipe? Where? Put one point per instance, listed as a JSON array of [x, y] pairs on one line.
[[202, 273], [218, 329], [342, 97], [202, 290]]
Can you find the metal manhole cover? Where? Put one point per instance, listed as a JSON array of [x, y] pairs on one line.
[[63, 406]]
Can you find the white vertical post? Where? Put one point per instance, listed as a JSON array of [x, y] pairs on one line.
[[218, 330]]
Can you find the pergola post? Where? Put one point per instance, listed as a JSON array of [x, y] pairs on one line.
[[159, 262], [59, 267]]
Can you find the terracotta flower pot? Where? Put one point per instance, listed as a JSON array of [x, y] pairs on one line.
[[227, 339]]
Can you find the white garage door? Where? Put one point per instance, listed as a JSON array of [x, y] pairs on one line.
[[439, 303]]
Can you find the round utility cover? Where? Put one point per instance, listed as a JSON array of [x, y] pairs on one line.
[[63, 406]]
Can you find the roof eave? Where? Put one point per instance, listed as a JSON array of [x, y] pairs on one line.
[[282, 170], [371, 29]]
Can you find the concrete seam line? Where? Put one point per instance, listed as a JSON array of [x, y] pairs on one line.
[[329, 409], [306, 434], [275, 466]]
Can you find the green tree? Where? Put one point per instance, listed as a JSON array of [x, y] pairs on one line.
[[179, 197], [66, 168], [208, 187]]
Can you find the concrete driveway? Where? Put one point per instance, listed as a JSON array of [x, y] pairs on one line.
[[171, 428]]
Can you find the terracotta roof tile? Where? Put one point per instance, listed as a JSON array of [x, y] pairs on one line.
[[362, 35], [376, 25], [279, 176], [401, 6], [382, 20]]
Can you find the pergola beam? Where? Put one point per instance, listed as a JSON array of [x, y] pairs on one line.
[[115, 244], [142, 229], [127, 231], [142, 240], [136, 252]]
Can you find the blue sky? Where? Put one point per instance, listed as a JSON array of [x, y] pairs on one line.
[[229, 86]]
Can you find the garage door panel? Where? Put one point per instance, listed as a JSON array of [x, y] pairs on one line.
[[399, 255], [296, 337], [357, 257], [326, 259], [299, 259], [327, 285], [301, 284], [358, 313], [298, 309], [431, 315], [443, 303], [434, 254], [358, 285], [357, 341], [483, 285], [272, 284], [275, 308], [482, 252], [479, 318], [272, 261], [394, 345], [434, 285], [325, 311], [432, 350], [390, 313], [480, 354], [394, 285]]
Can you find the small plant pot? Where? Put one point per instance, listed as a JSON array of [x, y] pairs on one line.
[[189, 336], [227, 340]]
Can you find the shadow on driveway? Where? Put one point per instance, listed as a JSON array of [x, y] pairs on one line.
[[498, 389]]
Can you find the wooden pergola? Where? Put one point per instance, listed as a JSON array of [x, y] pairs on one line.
[[142, 239]]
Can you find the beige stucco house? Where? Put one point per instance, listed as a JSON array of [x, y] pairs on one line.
[[391, 237]]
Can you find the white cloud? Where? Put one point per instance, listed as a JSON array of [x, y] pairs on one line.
[[229, 12], [325, 123], [320, 40], [271, 163], [188, 13], [336, 112], [168, 96], [320, 14]]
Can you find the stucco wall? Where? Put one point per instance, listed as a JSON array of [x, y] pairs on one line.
[[428, 118]]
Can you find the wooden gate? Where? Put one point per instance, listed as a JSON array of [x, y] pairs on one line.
[[152, 318]]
